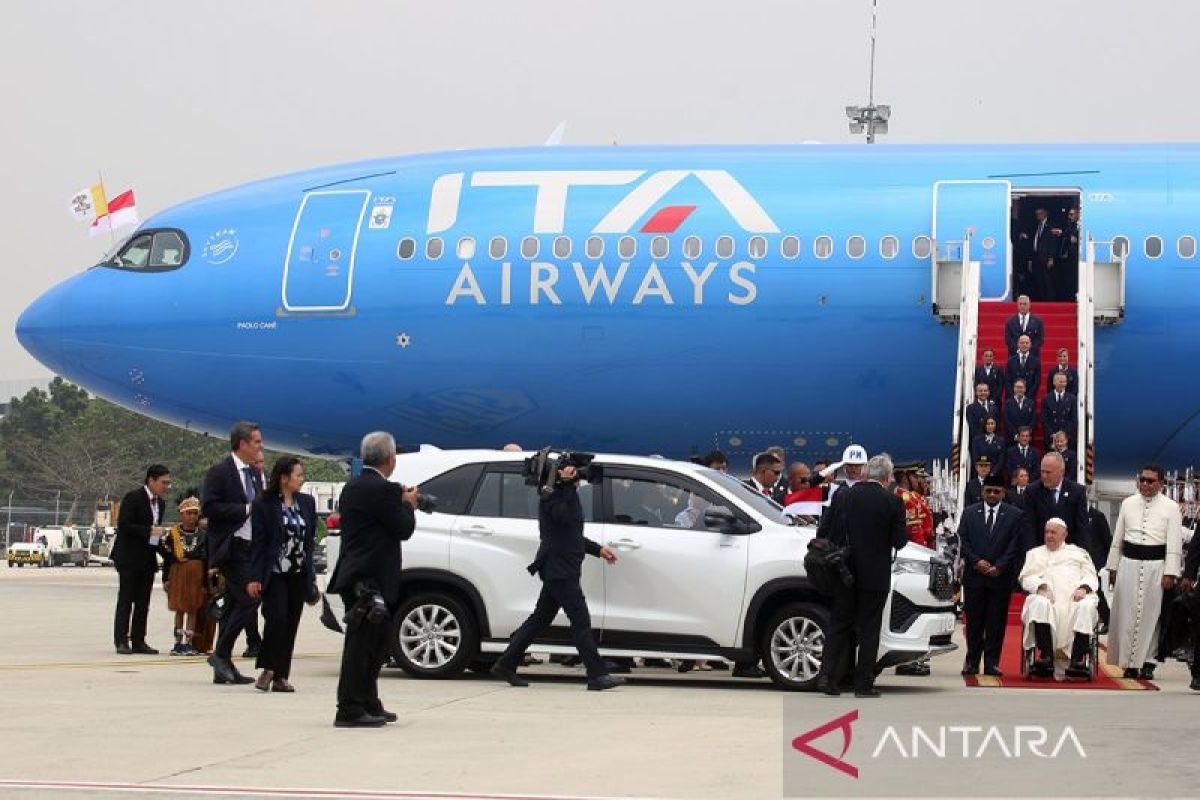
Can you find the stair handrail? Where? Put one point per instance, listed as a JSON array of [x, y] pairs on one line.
[[1085, 438], [968, 337]]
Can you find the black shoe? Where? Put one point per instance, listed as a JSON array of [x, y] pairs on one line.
[[994, 672], [1130, 674], [124, 649], [866, 692], [1042, 668], [686, 666], [618, 667], [747, 671], [388, 716], [826, 685], [1195, 685], [1147, 673], [1078, 669], [251, 651], [506, 674], [657, 662], [224, 672], [144, 649], [604, 682], [361, 721]]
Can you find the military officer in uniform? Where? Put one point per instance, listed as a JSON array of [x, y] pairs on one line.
[[974, 490], [918, 520]]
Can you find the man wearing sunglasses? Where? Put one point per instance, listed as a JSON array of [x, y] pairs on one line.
[[765, 480], [1144, 562]]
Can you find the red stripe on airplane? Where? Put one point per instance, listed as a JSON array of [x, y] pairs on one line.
[[667, 220]]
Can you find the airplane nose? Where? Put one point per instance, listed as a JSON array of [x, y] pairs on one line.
[[39, 329]]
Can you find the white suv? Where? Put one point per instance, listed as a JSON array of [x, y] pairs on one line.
[[707, 569]]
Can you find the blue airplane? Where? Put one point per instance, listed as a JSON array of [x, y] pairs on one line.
[[636, 299]]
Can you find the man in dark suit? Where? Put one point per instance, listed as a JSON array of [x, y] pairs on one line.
[[1059, 412], [230, 487], [1063, 366], [1043, 244], [1019, 411], [559, 565], [135, 557], [1018, 492], [989, 372], [1070, 460], [1024, 366], [872, 521], [765, 479], [981, 409], [1067, 271], [377, 515], [989, 533], [1024, 323], [1023, 455], [1056, 496]]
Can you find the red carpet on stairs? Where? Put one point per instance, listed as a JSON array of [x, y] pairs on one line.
[[1061, 321]]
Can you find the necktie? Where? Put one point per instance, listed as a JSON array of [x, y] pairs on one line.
[[248, 484], [1024, 320], [1056, 497], [1022, 360], [991, 519], [1023, 453]]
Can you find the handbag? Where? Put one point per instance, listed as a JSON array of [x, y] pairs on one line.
[[218, 601], [827, 566]]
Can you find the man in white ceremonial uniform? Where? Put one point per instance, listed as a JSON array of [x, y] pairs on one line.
[[1062, 609], [1143, 562]]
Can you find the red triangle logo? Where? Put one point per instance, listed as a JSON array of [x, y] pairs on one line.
[[843, 723]]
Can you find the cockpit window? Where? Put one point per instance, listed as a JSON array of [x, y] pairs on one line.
[[152, 251]]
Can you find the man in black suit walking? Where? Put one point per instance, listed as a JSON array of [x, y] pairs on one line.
[[873, 522], [1024, 323], [229, 489], [135, 557], [1056, 496], [377, 515], [989, 533], [559, 564]]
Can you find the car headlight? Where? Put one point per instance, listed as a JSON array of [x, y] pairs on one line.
[[910, 566]]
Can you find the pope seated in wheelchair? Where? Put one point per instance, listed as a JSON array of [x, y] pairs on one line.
[[1062, 610]]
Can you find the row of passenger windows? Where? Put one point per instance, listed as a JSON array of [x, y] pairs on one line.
[[756, 247]]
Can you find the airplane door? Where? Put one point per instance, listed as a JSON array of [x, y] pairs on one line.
[[318, 272], [983, 208]]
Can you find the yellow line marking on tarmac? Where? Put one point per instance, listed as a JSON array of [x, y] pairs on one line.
[[135, 662]]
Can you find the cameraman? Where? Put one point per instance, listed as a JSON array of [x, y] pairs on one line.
[[377, 515], [559, 563]]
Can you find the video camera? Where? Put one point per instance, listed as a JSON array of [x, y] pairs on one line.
[[541, 470]]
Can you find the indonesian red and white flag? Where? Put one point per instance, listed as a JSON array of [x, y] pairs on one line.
[[120, 211], [804, 503]]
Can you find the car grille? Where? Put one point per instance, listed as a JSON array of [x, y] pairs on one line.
[[941, 579], [905, 612]]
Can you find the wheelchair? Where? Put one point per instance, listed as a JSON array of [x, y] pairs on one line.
[[1029, 655]]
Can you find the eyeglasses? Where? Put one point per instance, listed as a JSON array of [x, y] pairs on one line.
[[1144, 479]]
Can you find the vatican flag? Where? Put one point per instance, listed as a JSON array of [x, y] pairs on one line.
[[89, 203]]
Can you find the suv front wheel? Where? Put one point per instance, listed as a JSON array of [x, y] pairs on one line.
[[434, 636], [793, 643]]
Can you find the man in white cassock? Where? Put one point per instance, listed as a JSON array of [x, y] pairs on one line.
[[1062, 609], [1143, 562]]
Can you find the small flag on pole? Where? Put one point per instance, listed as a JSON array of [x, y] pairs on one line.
[[89, 202]]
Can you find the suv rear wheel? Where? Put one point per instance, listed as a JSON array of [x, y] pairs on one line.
[[793, 643], [434, 636]]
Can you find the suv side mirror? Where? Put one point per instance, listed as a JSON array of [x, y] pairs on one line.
[[722, 519]]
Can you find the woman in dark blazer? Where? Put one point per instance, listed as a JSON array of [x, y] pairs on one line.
[[283, 525]]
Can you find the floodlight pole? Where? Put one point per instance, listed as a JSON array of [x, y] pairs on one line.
[[865, 119]]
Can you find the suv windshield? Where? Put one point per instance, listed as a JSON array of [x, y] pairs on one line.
[[763, 505]]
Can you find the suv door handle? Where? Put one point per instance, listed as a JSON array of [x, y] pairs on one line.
[[625, 544], [478, 530]]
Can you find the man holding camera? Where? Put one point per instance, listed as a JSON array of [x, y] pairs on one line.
[[559, 563], [377, 515]]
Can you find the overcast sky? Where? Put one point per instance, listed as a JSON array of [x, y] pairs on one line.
[[178, 99]]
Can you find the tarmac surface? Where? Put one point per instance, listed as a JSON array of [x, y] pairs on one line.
[[81, 721]]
